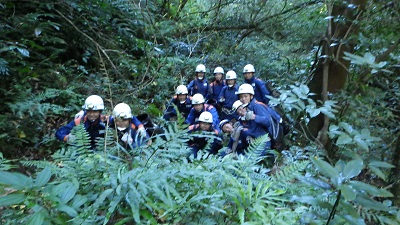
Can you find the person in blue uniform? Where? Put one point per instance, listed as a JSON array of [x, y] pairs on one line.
[[91, 120], [200, 84], [205, 126], [260, 90], [182, 101], [228, 96], [200, 106]]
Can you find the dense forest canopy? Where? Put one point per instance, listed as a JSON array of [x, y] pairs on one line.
[[335, 65]]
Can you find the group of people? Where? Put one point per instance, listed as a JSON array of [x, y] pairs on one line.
[[241, 111], [130, 131], [216, 108]]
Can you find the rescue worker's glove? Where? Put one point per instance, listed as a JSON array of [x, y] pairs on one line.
[[236, 132], [71, 139], [250, 115], [79, 114], [142, 132], [127, 138]]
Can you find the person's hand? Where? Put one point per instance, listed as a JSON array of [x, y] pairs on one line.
[[237, 132], [79, 114], [142, 132], [127, 138], [250, 115], [71, 139], [221, 99]]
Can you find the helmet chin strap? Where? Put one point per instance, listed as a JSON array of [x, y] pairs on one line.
[[230, 85], [121, 128], [200, 78]]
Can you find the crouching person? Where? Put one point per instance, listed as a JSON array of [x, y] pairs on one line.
[[237, 137], [91, 120], [204, 127], [129, 129]]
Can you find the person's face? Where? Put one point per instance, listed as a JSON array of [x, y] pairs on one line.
[[92, 115], [230, 82], [198, 107], [182, 98], [245, 98], [248, 76], [218, 76], [200, 75], [241, 111], [122, 123], [227, 128], [205, 126]]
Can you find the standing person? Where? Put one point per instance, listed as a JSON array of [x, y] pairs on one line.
[[216, 86], [199, 106], [182, 101], [204, 126], [199, 85], [257, 118], [228, 96], [260, 90], [91, 120], [128, 133]]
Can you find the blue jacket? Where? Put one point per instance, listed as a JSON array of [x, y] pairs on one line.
[[261, 125], [198, 86], [215, 90], [260, 90], [95, 129], [193, 115], [183, 108], [132, 130], [229, 96]]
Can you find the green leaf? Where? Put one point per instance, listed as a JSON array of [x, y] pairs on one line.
[[68, 193], [360, 142], [12, 199], [43, 177], [36, 218], [348, 192], [326, 169], [344, 139], [78, 201], [347, 127], [68, 210], [371, 204], [378, 172], [372, 190], [381, 164], [313, 112], [353, 168], [18, 181], [23, 52]]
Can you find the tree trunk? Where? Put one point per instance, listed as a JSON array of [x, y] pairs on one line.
[[330, 74]]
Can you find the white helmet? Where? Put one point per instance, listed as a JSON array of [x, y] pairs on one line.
[[122, 111], [219, 70], [206, 117], [93, 102], [236, 105], [200, 68], [222, 123], [181, 90], [245, 89], [249, 69], [198, 99], [231, 75]]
